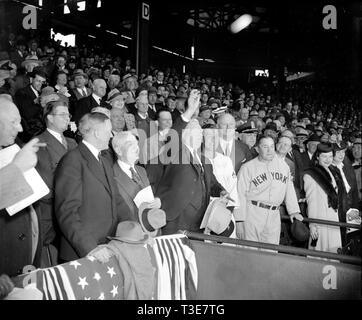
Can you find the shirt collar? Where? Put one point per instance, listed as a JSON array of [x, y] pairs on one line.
[[92, 149], [125, 167], [142, 116], [35, 92], [55, 134], [96, 98]]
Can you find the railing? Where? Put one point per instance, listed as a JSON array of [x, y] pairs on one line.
[[327, 222], [279, 248]]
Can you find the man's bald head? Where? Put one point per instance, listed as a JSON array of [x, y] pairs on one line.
[[226, 118], [226, 125], [99, 87], [10, 122]]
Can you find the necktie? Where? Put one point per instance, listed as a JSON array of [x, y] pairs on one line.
[[135, 177], [84, 92], [64, 142], [196, 161]]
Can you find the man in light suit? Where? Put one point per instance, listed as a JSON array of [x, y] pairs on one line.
[[87, 204], [19, 233], [57, 117], [237, 150]]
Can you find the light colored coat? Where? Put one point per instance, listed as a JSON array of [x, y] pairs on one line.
[[317, 200]]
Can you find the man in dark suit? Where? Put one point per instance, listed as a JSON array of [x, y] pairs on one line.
[[343, 164], [306, 157], [57, 118], [188, 181], [19, 234], [87, 203], [237, 150], [30, 110], [85, 105]]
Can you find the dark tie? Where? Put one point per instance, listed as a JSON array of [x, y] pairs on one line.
[[84, 92], [136, 178]]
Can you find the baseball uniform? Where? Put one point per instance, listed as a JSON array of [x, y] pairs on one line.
[[262, 187]]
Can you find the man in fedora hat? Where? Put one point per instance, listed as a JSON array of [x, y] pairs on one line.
[[311, 146], [80, 91], [28, 103]]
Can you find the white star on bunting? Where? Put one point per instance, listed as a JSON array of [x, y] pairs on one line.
[[101, 297], [85, 298], [82, 282], [97, 276], [75, 264], [114, 291], [111, 271]]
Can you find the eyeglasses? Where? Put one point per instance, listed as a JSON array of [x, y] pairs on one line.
[[63, 115]]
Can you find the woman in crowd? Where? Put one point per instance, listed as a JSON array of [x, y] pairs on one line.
[[322, 188], [117, 100]]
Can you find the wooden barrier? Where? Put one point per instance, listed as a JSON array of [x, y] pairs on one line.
[[233, 272]]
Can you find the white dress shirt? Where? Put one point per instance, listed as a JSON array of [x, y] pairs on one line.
[[92, 149], [345, 182], [83, 92], [226, 146], [56, 135], [35, 92], [126, 168], [96, 98]]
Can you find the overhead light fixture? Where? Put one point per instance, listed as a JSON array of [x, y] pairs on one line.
[[241, 23], [121, 45], [91, 36], [128, 38], [112, 32]]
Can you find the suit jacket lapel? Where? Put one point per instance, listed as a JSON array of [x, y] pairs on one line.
[[142, 176], [123, 180], [94, 166], [54, 144]]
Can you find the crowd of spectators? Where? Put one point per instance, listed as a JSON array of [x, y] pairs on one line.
[[305, 120]]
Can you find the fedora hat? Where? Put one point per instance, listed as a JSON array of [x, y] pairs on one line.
[[103, 110], [130, 232], [79, 72], [217, 219], [151, 220], [48, 95], [299, 231], [114, 94], [32, 59]]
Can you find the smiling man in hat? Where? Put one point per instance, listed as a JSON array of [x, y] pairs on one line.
[[311, 146]]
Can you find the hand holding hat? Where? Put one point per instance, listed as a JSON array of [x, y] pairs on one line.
[[101, 253]]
